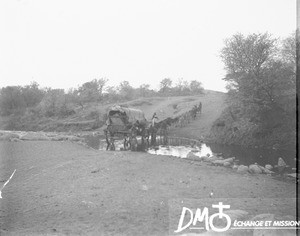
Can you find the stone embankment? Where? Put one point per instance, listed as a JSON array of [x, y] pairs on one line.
[[231, 162]]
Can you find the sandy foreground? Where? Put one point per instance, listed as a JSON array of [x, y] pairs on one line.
[[62, 188]]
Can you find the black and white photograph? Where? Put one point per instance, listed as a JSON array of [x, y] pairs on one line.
[[149, 117]]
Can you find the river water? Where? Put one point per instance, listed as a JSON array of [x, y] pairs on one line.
[[245, 155]]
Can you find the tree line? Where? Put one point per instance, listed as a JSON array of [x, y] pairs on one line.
[[261, 83], [17, 100]]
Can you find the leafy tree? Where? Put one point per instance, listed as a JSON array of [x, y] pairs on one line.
[[126, 91], [92, 90], [53, 101], [246, 60], [11, 100], [246, 55], [144, 90], [288, 51], [181, 88], [73, 97], [261, 79], [165, 85], [32, 95], [196, 87], [111, 90]]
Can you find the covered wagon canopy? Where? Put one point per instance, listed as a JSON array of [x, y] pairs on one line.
[[132, 114]]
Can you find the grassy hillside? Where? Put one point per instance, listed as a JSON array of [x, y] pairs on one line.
[[91, 116]]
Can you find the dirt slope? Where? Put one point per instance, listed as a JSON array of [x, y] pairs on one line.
[[212, 106], [61, 188], [165, 107]]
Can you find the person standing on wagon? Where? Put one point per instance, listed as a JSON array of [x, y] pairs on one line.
[[153, 129], [154, 119]]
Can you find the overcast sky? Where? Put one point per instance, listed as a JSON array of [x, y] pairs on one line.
[[64, 43]]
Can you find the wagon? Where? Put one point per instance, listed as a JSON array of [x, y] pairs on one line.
[[125, 123]]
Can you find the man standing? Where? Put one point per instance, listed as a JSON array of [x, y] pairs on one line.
[[200, 107], [153, 129], [154, 119]]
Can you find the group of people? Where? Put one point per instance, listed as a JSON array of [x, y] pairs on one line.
[[183, 119], [186, 118]]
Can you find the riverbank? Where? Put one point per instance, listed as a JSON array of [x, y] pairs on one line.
[[63, 188]]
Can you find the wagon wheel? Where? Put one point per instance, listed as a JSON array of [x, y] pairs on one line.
[[153, 132], [145, 143], [126, 143], [112, 143], [145, 138], [133, 140], [133, 144], [107, 139]]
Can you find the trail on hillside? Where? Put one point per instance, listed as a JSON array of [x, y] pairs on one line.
[[212, 107], [213, 103]]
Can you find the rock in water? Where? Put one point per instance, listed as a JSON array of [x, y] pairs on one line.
[[254, 169], [218, 154], [268, 172], [235, 167], [214, 158], [206, 159], [242, 169], [192, 156], [226, 164], [265, 170], [268, 166], [230, 159], [281, 162], [222, 161], [218, 162]]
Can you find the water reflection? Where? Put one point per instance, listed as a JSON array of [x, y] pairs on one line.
[[181, 151], [245, 155], [262, 156]]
